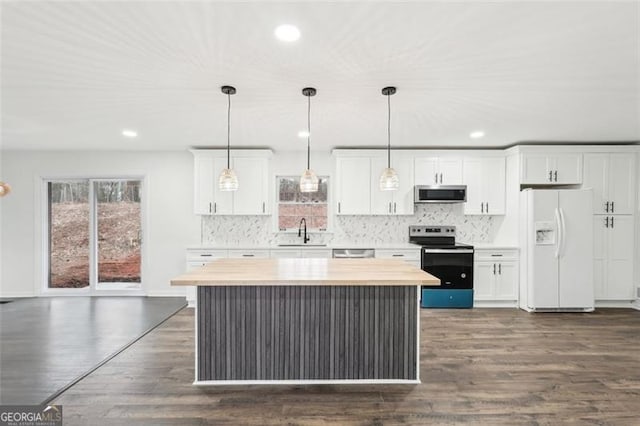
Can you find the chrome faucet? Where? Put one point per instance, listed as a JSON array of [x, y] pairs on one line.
[[306, 238]]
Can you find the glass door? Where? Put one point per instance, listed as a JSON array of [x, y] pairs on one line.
[[94, 235]]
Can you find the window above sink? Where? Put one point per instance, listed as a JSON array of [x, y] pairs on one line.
[[293, 205]]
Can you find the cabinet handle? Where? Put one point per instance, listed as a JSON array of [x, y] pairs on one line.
[[394, 207], [389, 207], [487, 207], [338, 207], [248, 255], [499, 268], [555, 175], [494, 269], [440, 177], [496, 255], [436, 178], [612, 209], [397, 255], [206, 255], [606, 207], [215, 207], [611, 222], [481, 207], [550, 175], [209, 207], [263, 207], [606, 222]]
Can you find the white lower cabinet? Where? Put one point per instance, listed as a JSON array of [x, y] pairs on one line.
[[613, 243], [411, 256], [260, 254], [195, 259], [495, 276]]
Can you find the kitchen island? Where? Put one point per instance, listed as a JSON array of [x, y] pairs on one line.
[[266, 321]]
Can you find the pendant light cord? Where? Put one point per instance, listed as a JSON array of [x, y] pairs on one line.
[[389, 130], [228, 130], [308, 132]]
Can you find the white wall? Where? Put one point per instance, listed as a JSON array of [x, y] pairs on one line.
[[170, 223]]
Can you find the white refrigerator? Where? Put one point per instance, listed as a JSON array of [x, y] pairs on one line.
[[556, 234]]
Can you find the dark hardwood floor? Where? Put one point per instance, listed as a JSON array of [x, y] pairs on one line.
[[479, 366]]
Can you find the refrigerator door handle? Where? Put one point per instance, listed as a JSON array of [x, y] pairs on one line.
[[563, 241], [558, 233]]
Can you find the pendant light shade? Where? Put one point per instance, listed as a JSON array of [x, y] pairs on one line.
[[309, 180], [228, 181], [389, 178], [4, 189]]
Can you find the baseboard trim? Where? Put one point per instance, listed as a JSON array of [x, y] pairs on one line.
[[616, 304]]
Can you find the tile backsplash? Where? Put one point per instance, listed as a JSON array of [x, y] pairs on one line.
[[259, 230]]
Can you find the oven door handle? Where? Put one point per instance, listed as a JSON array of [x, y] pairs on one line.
[[461, 251]]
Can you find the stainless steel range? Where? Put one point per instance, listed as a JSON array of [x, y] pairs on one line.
[[452, 263]]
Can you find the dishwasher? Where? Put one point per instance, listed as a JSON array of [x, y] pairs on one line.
[[353, 253]]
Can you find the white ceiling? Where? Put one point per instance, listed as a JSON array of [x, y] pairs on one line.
[[74, 74]]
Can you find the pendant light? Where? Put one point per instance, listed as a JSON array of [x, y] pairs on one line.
[[308, 180], [228, 180], [5, 189], [389, 178]]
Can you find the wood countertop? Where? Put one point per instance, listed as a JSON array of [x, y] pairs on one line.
[[338, 272]]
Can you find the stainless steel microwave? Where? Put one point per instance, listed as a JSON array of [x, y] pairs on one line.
[[440, 194]]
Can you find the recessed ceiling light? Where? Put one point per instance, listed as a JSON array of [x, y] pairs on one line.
[[477, 134], [287, 33], [303, 134], [128, 133]]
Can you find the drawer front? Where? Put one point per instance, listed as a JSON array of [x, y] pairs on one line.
[[315, 253], [496, 255], [408, 254], [248, 253], [205, 255], [433, 298]]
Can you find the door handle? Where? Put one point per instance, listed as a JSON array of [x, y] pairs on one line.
[[550, 176], [606, 222], [606, 207], [612, 209], [499, 268], [611, 222], [494, 269], [555, 175]]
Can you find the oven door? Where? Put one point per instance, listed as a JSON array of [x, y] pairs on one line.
[[454, 267]]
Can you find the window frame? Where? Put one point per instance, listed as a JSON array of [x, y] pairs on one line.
[[276, 213]]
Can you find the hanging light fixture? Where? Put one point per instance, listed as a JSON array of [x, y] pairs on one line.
[[228, 180], [308, 180], [5, 189], [389, 178]]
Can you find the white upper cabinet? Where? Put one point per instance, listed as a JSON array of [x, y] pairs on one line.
[[353, 185], [485, 180], [438, 171], [358, 185], [611, 176], [252, 169], [399, 202], [551, 169]]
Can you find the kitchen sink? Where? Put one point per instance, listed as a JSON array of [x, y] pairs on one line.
[[302, 245]]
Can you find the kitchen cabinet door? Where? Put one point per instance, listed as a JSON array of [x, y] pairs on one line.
[[534, 169], [621, 176], [353, 185], [620, 258], [403, 198], [600, 242], [450, 171], [485, 180], [506, 281], [204, 181], [474, 179], [567, 169], [251, 198], [596, 177], [483, 280], [426, 171]]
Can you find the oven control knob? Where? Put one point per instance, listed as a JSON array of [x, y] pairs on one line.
[[463, 275]]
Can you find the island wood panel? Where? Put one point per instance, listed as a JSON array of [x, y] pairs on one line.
[[306, 333]]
